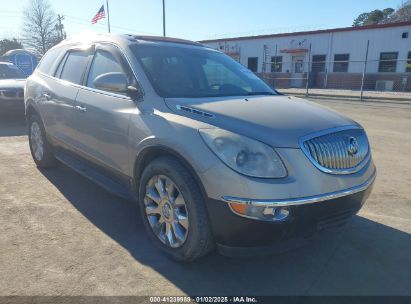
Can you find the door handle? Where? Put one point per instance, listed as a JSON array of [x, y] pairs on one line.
[[81, 109], [46, 96]]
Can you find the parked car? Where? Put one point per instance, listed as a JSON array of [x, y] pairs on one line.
[[212, 154], [12, 81]]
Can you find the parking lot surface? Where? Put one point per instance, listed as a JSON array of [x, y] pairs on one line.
[[62, 235]]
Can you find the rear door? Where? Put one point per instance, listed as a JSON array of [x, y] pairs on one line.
[[102, 119], [62, 95]]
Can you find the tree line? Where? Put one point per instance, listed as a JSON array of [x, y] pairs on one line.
[[388, 15]]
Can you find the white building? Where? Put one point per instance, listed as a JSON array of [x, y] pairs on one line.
[[334, 57]]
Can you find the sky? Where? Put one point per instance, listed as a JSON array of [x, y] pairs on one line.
[[198, 19]]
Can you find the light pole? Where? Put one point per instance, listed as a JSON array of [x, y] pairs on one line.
[[164, 18]]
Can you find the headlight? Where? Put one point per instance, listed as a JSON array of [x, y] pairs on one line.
[[244, 155]]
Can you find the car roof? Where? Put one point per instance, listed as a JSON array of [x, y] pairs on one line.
[[90, 38], [163, 39]]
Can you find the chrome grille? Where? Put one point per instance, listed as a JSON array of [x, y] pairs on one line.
[[339, 152]]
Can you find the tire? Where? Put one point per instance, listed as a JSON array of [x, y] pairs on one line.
[[198, 240], [41, 150]]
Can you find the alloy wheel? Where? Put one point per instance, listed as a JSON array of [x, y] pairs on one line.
[[36, 141], [166, 211]]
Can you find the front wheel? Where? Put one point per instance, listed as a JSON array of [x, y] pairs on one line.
[[40, 148], [174, 211]]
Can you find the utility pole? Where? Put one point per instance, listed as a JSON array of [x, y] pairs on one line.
[[59, 26], [364, 71], [164, 18], [108, 17]]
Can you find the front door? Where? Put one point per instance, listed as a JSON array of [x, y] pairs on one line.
[[297, 73], [103, 117]]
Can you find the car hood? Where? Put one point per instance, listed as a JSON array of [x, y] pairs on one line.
[[279, 121], [12, 83]]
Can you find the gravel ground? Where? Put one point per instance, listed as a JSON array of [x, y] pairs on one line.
[[63, 235]]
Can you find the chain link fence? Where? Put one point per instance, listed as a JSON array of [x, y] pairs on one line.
[[370, 79]]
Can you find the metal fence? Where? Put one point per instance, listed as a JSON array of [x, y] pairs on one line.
[[367, 79]]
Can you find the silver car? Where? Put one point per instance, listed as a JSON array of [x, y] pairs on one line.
[[213, 156]]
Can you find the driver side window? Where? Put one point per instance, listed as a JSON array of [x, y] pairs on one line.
[[103, 62]]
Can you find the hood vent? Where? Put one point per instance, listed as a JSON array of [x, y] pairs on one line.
[[194, 111]]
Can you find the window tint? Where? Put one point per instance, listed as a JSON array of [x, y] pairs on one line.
[[48, 61], [196, 72], [74, 66], [217, 74], [277, 64], [10, 71], [60, 67], [341, 62], [103, 62], [388, 62]]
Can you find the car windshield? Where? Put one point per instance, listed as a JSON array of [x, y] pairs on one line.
[[181, 71], [8, 71]]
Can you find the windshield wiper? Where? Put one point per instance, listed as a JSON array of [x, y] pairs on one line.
[[260, 93]]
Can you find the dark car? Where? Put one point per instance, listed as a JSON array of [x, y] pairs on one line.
[[12, 80]]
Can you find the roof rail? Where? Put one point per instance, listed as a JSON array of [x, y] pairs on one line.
[[166, 39]]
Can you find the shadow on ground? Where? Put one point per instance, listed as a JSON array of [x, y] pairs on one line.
[[366, 258], [12, 124]]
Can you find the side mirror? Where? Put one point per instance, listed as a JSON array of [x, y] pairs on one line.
[[113, 82]]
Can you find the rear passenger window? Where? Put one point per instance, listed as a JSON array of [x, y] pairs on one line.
[[103, 62], [60, 67], [74, 66], [47, 64]]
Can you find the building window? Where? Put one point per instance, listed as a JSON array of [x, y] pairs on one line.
[[319, 63], [276, 64], [341, 62], [408, 68], [404, 35], [388, 62], [253, 64]]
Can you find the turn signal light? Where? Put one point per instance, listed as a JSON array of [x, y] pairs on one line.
[[239, 208]]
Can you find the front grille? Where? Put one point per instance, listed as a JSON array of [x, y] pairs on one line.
[[338, 152]]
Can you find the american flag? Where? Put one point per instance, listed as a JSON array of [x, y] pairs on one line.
[[100, 15]]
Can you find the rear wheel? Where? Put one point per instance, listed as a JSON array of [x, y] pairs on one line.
[[40, 148], [174, 211]]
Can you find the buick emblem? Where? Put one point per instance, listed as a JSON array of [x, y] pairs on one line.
[[352, 146]]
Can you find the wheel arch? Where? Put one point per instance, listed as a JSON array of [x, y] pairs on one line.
[[153, 152], [30, 110]]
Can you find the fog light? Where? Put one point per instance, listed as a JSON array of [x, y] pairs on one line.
[[271, 214], [282, 213]]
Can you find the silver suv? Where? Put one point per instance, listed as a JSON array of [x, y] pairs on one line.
[[212, 154]]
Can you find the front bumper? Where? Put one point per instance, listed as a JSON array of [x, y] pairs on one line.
[[308, 216]]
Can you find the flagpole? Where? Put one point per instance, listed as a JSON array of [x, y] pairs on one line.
[[108, 17], [164, 18]]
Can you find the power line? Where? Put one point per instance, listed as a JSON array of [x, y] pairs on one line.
[[17, 14], [84, 21]]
